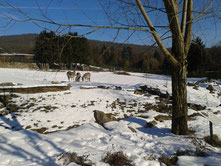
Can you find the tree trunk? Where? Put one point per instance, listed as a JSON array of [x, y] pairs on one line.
[[179, 108]]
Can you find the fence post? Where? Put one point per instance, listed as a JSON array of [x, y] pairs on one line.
[[211, 132]]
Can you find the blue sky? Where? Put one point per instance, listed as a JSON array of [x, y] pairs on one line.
[[87, 12]]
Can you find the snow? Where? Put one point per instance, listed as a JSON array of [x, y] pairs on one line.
[[61, 112], [197, 161]]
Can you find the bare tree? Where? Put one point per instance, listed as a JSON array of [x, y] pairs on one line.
[[160, 19]]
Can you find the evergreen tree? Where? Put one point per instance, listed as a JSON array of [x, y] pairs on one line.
[[197, 57], [45, 48], [51, 48]]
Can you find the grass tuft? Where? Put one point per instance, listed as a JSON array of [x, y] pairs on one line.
[[117, 159]]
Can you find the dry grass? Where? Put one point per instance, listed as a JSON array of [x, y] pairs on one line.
[[117, 159], [68, 158], [216, 141]]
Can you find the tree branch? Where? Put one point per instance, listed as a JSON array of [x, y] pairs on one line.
[[183, 22], [189, 24], [170, 57]]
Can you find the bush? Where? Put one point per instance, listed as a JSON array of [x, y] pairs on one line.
[[216, 141], [117, 159]]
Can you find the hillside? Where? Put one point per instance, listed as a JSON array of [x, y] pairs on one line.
[[18, 43], [25, 43]]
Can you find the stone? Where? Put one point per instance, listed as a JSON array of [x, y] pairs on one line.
[[150, 124], [101, 117]]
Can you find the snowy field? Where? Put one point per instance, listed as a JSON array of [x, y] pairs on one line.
[[68, 119]]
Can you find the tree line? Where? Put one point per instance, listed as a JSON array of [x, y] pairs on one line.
[[51, 48], [67, 49]]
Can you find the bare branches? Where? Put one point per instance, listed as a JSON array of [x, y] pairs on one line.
[[204, 12], [155, 34], [131, 15]]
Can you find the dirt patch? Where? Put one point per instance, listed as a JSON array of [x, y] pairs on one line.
[[41, 89], [46, 109], [13, 107], [160, 107], [161, 118]]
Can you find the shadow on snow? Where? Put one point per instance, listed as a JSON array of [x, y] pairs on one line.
[[32, 140], [159, 132]]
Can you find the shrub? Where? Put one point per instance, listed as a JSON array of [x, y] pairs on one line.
[[117, 159], [216, 141]]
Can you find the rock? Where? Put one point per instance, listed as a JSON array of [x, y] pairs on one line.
[[191, 84], [101, 117], [118, 88], [41, 130], [132, 129], [195, 86], [150, 124], [54, 82], [210, 88], [155, 91], [138, 92], [196, 107], [161, 118], [7, 84], [103, 87]]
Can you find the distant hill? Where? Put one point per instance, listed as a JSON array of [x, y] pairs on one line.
[[18, 43], [25, 44]]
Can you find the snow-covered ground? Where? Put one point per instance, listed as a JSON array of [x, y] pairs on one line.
[[59, 114]]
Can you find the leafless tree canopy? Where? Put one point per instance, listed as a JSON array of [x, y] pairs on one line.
[[121, 15]]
